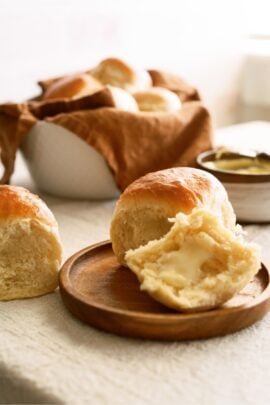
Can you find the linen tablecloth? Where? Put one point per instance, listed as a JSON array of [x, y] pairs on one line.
[[48, 356]]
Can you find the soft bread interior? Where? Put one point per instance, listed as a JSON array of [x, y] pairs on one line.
[[135, 225], [30, 255], [199, 264]]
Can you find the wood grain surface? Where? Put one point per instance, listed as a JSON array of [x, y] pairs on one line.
[[102, 293]]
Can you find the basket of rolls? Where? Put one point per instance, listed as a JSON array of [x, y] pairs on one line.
[[91, 134]]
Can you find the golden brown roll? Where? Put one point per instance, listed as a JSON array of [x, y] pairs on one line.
[[30, 251], [157, 99], [73, 86], [118, 73], [175, 229], [123, 100], [143, 209]]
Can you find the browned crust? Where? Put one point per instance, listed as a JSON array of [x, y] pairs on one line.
[[101, 71], [69, 86], [159, 97], [19, 203], [181, 186]]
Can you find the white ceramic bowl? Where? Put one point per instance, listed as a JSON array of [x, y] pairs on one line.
[[248, 193], [64, 165]]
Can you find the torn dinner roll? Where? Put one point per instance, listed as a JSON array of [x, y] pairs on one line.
[[30, 249], [119, 73], [157, 99], [199, 264], [72, 86], [142, 212]]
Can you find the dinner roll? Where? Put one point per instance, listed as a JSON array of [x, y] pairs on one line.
[[120, 74], [72, 86], [157, 99], [123, 100], [199, 264], [143, 209], [30, 250]]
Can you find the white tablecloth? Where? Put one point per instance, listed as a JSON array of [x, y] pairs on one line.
[[48, 356]]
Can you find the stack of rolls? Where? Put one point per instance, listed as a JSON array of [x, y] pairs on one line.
[[132, 89], [91, 134]]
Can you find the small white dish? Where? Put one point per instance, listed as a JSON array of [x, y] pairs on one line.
[[248, 193], [64, 165]]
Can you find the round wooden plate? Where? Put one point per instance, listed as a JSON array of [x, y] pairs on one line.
[[100, 292]]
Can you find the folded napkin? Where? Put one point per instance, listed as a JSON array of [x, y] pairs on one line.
[[132, 143]]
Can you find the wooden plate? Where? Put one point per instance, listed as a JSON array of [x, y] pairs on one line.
[[100, 292]]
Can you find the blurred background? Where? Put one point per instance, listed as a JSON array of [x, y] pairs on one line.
[[222, 47]]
